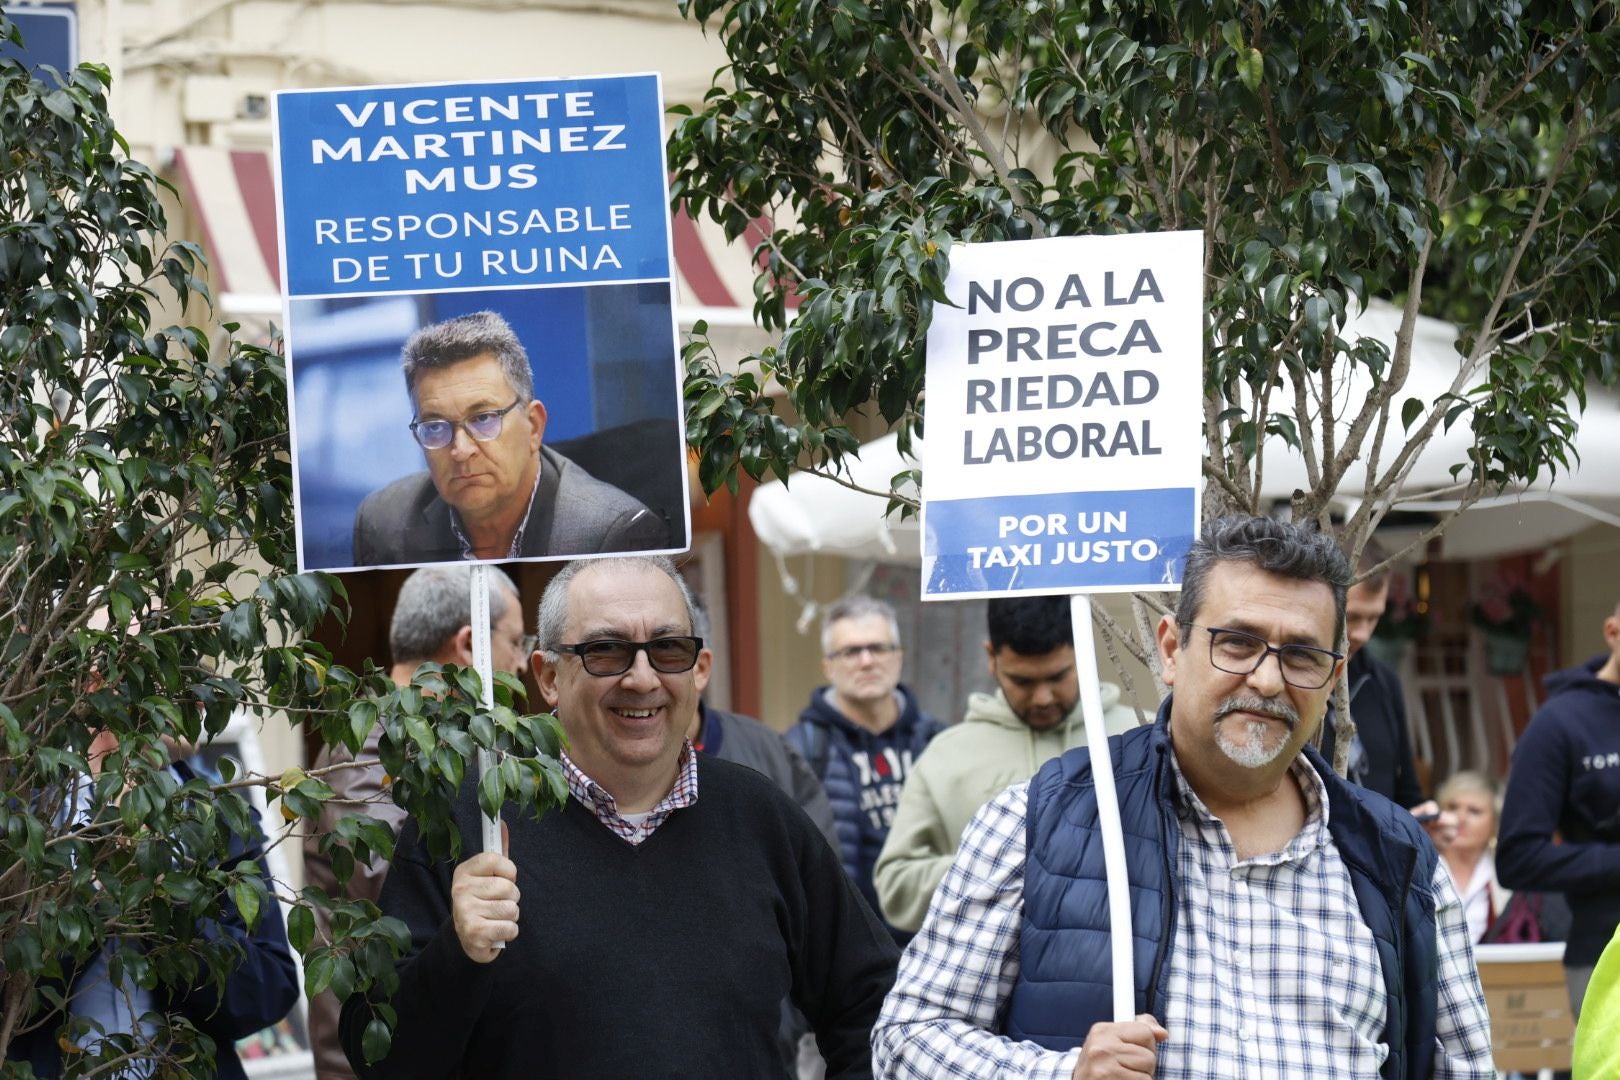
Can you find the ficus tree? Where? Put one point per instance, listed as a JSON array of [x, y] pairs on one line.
[[1454, 158], [148, 593]]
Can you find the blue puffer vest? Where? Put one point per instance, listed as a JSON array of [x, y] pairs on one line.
[[1064, 979]]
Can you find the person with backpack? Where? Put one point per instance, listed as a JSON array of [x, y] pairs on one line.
[[862, 731]]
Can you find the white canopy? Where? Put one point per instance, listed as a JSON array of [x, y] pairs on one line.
[[1541, 514], [816, 515]]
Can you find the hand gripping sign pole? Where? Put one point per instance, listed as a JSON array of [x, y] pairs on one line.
[[1113, 833], [484, 665]]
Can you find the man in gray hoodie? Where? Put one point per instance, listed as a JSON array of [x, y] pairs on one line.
[[1033, 716]]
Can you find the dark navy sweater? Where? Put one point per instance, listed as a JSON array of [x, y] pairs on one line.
[[1566, 780], [667, 959]]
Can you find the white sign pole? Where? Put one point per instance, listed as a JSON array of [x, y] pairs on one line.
[[484, 665], [1113, 833]]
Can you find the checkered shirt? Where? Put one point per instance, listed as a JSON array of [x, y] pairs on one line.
[[1306, 1001], [595, 798]]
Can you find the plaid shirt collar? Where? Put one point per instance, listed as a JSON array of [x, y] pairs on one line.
[[1312, 836], [595, 798], [516, 549]]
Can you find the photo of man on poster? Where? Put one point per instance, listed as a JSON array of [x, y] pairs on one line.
[[486, 425], [491, 489], [480, 323]]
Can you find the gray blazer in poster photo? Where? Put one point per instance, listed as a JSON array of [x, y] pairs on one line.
[[573, 513]]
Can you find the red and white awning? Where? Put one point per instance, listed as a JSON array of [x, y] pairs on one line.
[[233, 195]]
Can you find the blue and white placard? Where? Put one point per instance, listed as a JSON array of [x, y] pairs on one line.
[[542, 202], [1065, 428], [472, 185]]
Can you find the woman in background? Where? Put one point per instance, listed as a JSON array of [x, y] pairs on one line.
[[1475, 799]]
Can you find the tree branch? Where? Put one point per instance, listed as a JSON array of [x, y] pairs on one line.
[[1505, 289], [963, 111]]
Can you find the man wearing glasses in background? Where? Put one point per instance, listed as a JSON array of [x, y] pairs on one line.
[[862, 731], [1286, 923], [653, 925], [491, 490]]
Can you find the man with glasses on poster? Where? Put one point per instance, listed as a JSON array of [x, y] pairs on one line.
[[654, 924], [491, 489]]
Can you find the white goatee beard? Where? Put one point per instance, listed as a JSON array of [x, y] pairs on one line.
[[1253, 754]]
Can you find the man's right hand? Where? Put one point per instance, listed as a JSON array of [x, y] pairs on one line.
[[1120, 1050], [484, 903]]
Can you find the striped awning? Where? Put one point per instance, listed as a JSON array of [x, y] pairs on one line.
[[232, 193]]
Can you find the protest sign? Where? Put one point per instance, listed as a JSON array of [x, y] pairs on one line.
[[1065, 428], [468, 217]]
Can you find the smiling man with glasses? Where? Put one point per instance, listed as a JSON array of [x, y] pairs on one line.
[[492, 489], [655, 923], [1286, 922]]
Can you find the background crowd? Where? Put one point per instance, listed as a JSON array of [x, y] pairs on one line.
[[775, 908]]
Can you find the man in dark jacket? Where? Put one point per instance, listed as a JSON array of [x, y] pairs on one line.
[[734, 737], [490, 489], [1285, 922], [260, 990], [862, 731], [1565, 780]]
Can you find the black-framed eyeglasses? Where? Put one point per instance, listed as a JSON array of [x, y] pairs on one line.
[[1304, 667], [878, 649], [613, 656], [483, 426]]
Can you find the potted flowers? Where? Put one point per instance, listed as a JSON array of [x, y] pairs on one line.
[[1404, 621], [1507, 613]]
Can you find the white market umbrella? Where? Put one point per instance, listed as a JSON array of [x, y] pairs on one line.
[[1525, 519], [814, 515]]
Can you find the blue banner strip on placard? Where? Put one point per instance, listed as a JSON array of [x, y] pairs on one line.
[[473, 186], [1063, 542]]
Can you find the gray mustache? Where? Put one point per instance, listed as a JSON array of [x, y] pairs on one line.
[[1279, 710]]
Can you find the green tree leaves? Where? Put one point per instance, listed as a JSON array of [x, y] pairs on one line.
[[147, 598], [1332, 152]]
